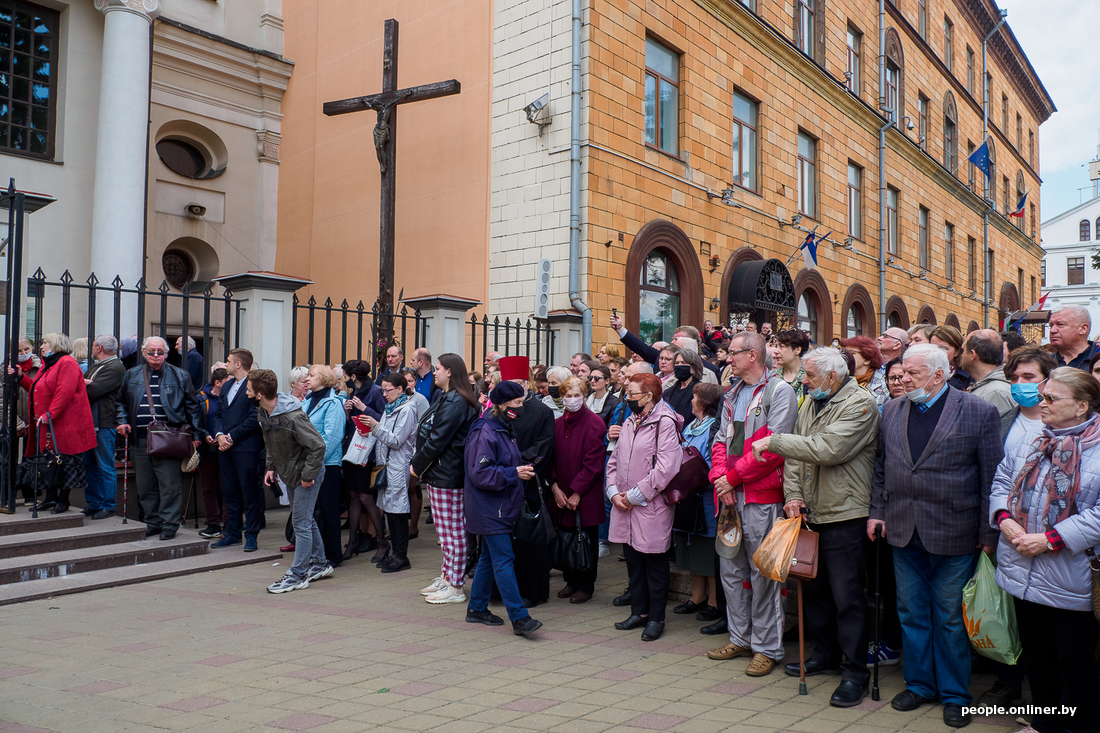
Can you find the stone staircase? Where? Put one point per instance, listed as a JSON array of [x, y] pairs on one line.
[[58, 554]]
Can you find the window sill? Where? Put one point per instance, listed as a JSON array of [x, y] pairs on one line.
[[662, 151]]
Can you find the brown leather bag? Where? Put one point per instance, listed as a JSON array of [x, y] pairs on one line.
[[164, 440], [804, 562]]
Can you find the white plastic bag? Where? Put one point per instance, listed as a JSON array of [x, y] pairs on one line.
[[360, 448]]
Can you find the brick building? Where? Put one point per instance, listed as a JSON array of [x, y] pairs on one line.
[[780, 104]]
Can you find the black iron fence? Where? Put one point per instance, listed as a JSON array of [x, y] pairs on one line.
[[72, 307], [330, 333]]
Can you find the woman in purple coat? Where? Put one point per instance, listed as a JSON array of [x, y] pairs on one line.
[[577, 480]]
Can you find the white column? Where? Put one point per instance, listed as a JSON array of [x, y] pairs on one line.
[[118, 200]]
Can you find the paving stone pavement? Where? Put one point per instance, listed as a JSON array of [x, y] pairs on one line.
[[362, 651]]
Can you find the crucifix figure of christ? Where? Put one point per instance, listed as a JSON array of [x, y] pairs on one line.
[[385, 105]]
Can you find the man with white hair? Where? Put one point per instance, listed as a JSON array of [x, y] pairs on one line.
[[191, 361], [830, 457], [1069, 335], [937, 454], [104, 383], [157, 391]]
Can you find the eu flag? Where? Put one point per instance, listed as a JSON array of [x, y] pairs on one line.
[[980, 158]]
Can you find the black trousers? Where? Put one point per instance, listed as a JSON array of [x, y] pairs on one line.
[[585, 581], [890, 630], [834, 603], [1058, 650], [399, 534], [244, 499], [649, 578], [328, 501]]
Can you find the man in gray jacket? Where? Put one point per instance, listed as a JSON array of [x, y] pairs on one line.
[[103, 383], [982, 357], [830, 459]]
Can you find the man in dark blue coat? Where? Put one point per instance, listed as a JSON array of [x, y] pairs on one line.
[[190, 361], [240, 442]]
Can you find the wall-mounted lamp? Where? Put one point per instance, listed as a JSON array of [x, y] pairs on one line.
[[714, 303], [908, 123], [714, 262]]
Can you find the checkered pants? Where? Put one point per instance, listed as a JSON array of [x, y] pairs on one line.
[[449, 515]]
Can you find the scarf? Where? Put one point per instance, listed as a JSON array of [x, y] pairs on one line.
[[865, 380], [316, 396], [391, 406], [698, 427], [1062, 449]]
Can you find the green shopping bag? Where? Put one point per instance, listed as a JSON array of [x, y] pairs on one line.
[[990, 615]]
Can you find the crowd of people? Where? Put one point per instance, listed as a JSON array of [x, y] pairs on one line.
[[914, 452]]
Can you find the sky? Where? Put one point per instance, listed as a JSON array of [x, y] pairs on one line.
[[1058, 37]]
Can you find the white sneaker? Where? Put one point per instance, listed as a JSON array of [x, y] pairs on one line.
[[318, 572], [605, 551], [450, 594], [436, 586], [288, 583]]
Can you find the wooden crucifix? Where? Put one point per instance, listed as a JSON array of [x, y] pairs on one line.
[[385, 145]]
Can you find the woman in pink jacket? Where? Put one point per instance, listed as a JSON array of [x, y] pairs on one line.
[[645, 459]]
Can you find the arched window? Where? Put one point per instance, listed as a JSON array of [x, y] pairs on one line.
[[1033, 221], [895, 75], [658, 299], [950, 133], [1085, 230], [1019, 195], [807, 315], [854, 325]]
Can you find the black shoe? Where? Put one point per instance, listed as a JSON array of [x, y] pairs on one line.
[[89, 511], [632, 621], [367, 544], [718, 627], [414, 535], [211, 531], [381, 554], [623, 600], [907, 700], [484, 617], [60, 507], [689, 607], [847, 695], [47, 505], [167, 534], [525, 626], [812, 667], [953, 716], [103, 514], [653, 631], [710, 613], [1000, 695], [150, 530], [394, 565]]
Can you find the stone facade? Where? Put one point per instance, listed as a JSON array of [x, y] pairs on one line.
[[630, 187]]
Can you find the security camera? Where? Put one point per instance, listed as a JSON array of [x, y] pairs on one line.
[[538, 112], [196, 210]]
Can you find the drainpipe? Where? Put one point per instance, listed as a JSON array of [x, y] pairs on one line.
[[575, 186], [985, 136], [881, 171]]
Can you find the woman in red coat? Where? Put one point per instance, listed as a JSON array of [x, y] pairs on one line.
[[58, 390], [577, 479]]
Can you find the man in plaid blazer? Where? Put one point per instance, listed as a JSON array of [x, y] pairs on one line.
[[938, 451]]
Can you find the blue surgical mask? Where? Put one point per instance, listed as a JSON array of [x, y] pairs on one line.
[[819, 394], [919, 396], [1026, 394]]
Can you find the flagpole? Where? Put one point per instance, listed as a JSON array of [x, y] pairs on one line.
[[985, 137]]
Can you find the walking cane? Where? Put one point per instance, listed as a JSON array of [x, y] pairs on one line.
[[125, 472], [878, 608], [801, 645]]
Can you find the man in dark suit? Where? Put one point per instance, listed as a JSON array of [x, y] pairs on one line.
[[240, 442], [938, 451]]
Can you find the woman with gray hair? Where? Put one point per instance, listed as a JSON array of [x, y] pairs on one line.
[[1044, 501], [298, 388], [688, 370], [554, 377], [60, 414]]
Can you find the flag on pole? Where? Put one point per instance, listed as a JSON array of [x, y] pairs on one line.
[[980, 158], [809, 248], [1019, 212], [1038, 305]]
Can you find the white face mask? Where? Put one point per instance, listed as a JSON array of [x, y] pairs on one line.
[[24, 358], [572, 404], [919, 396]]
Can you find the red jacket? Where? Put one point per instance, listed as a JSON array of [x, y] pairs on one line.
[[59, 389], [761, 482]]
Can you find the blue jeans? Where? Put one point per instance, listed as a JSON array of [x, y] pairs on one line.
[[937, 647], [605, 526], [309, 550], [497, 561], [99, 465]]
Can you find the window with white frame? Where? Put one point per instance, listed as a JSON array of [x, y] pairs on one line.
[[807, 172], [855, 201], [892, 221], [662, 74], [744, 141]]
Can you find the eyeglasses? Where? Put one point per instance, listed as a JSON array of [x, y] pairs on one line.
[[739, 351], [888, 336], [1051, 399], [595, 379], [895, 379], [636, 395], [156, 352]]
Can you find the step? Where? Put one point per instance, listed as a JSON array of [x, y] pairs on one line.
[[87, 559], [33, 590], [23, 523], [96, 534]]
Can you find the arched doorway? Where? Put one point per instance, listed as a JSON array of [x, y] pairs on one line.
[[762, 291], [951, 320], [814, 312], [972, 327], [739, 256], [664, 282], [897, 315], [857, 314], [1009, 301], [927, 315]]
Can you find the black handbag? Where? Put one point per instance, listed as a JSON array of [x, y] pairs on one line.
[[572, 551], [533, 523], [690, 516], [50, 470], [164, 440]]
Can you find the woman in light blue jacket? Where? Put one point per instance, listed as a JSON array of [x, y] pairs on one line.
[[1044, 502], [326, 412]]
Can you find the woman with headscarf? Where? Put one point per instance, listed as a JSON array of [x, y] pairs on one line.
[[1045, 501], [493, 494], [646, 458]]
